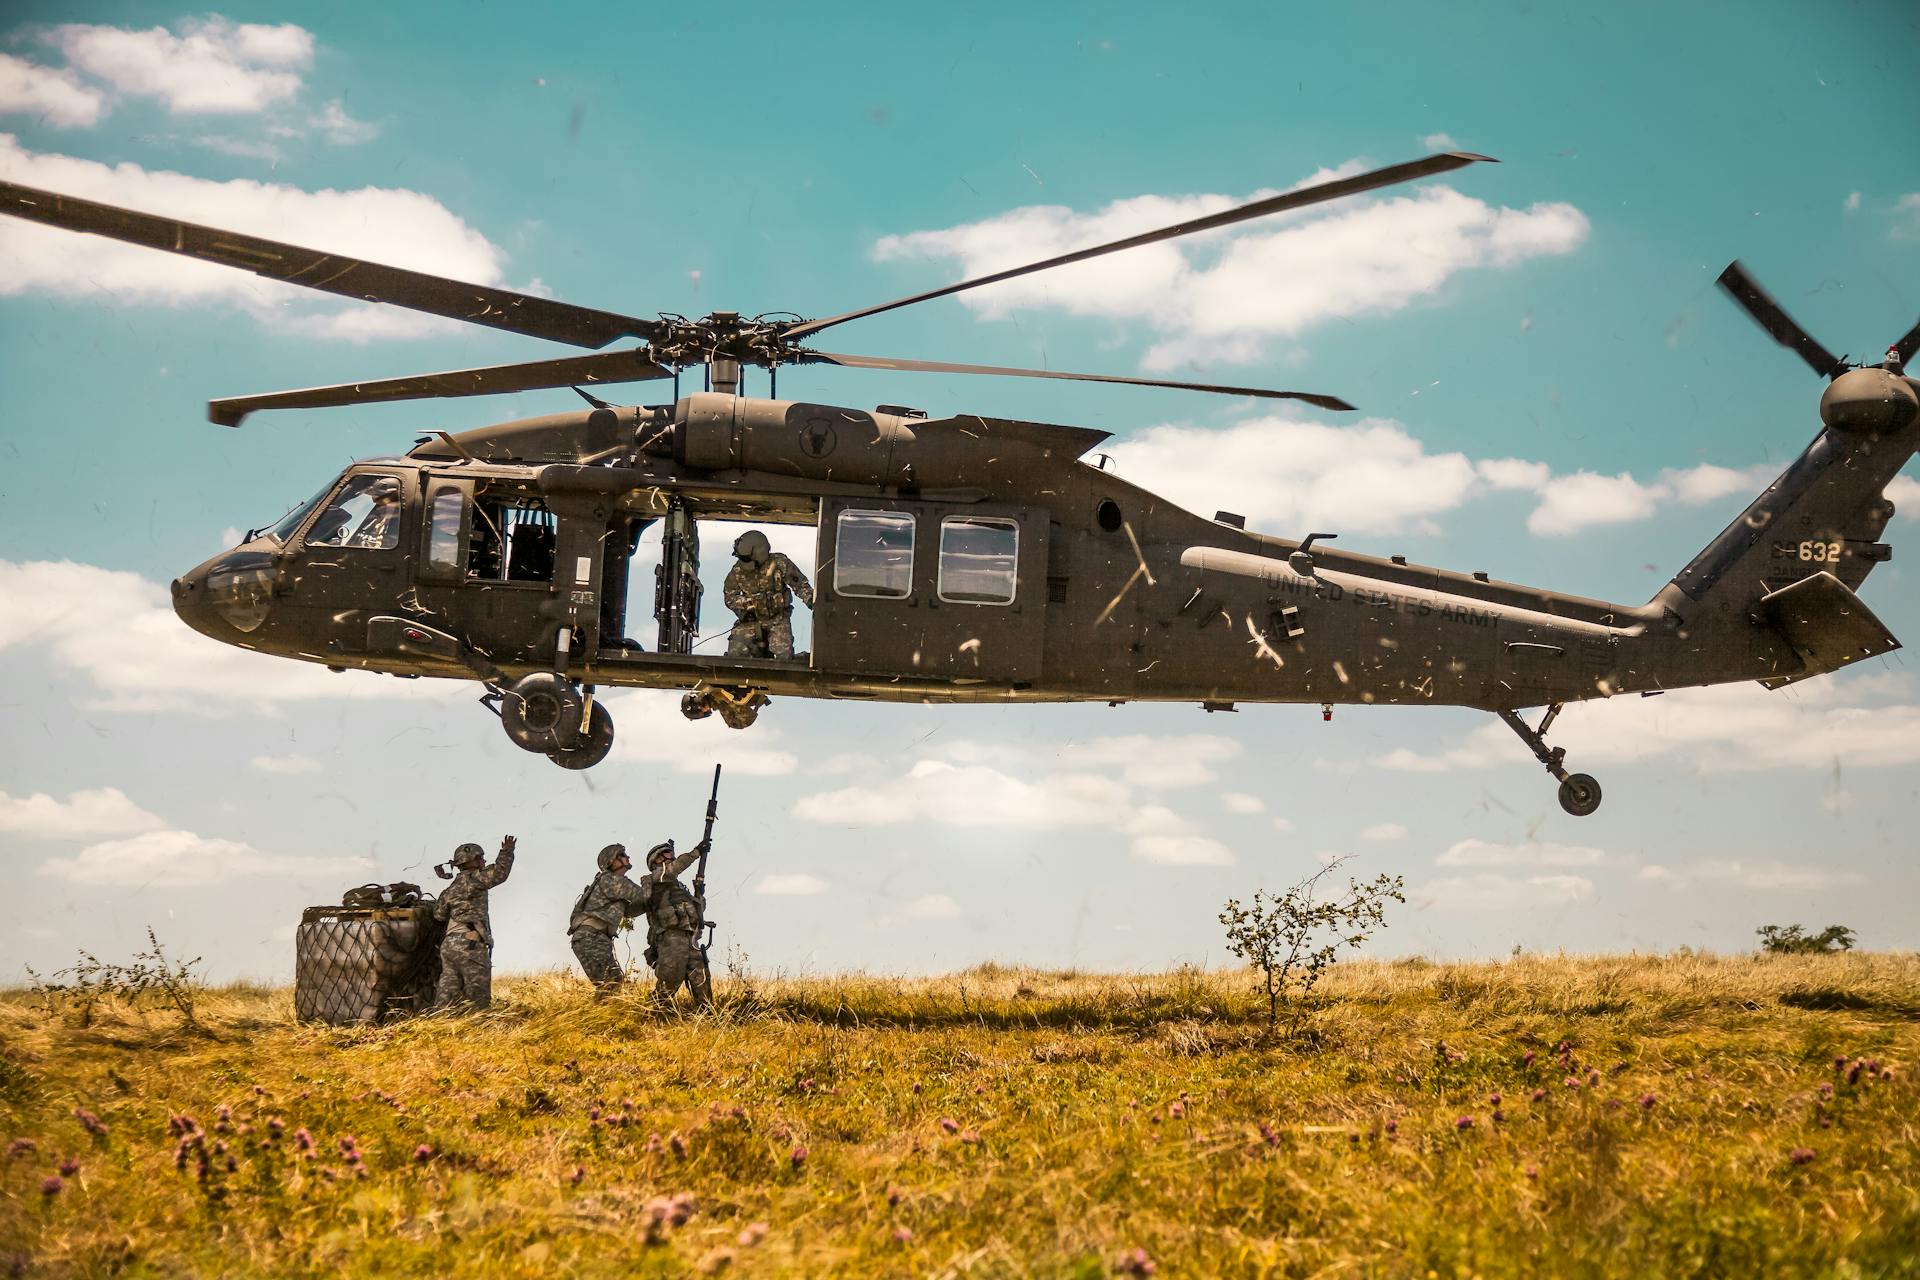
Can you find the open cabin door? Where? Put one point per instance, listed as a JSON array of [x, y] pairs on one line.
[[950, 591]]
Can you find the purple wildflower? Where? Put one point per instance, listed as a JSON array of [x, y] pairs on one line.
[[303, 1139], [20, 1147], [1527, 1061], [799, 1157], [90, 1122], [1801, 1155], [752, 1234], [902, 1235], [1499, 1116], [1539, 1095], [69, 1167], [1464, 1122], [1392, 1127], [1533, 1171], [1177, 1110], [50, 1185], [1493, 1099], [949, 1124], [422, 1153], [1646, 1101], [1135, 1262], [579, 1173], [679, 1145]]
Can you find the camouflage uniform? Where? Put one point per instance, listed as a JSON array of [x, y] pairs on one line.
[[466, 953], [672, 919], [760, 590], [610, 900]]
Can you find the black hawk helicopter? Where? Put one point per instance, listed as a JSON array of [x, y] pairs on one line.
[[962, 559]]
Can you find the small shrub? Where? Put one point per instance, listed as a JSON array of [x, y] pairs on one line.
[[1293, 940], [151, 978], [1792, 940]]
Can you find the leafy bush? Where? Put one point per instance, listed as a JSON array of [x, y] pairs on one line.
[[1293, 940], [1792, 940]]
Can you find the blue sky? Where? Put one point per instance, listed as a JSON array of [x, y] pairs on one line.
[[1549, 386]]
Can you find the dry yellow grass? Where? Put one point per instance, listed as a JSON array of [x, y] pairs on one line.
[[998, 1123]]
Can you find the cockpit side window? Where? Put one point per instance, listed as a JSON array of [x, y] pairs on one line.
[[364, 514]]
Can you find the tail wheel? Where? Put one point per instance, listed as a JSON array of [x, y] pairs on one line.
[[541, 712], [594, 744], [1579, 794]]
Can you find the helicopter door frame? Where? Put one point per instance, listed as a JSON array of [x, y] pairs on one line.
[[432, 489]]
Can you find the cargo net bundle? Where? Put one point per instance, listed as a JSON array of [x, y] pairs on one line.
[[374, 957]]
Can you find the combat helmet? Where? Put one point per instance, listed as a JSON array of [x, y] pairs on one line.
[[469, 855], [609, 855], [660, 852], [384, 489], [752, 545]]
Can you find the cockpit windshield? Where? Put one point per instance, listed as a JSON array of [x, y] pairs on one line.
[[282, 530]]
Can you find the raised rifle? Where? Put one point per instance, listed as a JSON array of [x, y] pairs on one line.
[[703, 933]]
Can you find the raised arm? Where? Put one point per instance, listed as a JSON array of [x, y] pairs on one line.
[[502, 865]]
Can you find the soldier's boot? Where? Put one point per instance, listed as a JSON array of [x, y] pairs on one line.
[[701, 984]]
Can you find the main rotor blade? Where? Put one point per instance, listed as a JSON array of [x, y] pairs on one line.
[[937, 366], [610, 366], [1769, 315], [331, 272], [1325, 191]]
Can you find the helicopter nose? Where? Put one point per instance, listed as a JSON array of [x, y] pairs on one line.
[[229, 594]]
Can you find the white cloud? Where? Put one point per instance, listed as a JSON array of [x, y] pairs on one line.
[[1372, 477], [1493, 892], [1180, 760], [1440, 142], [1283, 824], [1751, 875], [104, 812], [1574, 502], [943, 793], [649, 729], [1241, 802], [213, 67], [119, 631], [1385, 831], [1852, 201], [288, 765], [1906, 217], [1904, 493], [183, 860], [1183, 851], [57, 97], [1473, 852], [341, 129], [932, 906], [1735, 728], [1220, 297], [388, 225], [788, 886]]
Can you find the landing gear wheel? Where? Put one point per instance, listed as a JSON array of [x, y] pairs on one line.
[[541, 712], [1579, 794], [593, 746]]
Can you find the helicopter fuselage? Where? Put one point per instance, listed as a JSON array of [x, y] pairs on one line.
[[959, 560]]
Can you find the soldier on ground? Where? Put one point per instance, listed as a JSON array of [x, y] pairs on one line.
[[673, 920], [611, 899], [466, 953], [760, 589]]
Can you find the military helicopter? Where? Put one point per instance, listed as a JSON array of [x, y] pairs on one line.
[[964, 558]]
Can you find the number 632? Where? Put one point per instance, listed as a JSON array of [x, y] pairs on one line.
[[1824, 552]]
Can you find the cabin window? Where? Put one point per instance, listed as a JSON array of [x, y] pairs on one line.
[[873, 554], [283, 530], [364, 514], [512, 540], [443, 530], [978, 559]]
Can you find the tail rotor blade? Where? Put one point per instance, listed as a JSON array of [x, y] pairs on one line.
[[1908, 347], [1769, 315]]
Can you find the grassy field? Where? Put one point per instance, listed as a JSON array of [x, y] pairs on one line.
[[1644, 1116]]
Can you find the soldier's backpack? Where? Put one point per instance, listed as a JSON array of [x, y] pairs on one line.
[[373, 957]]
